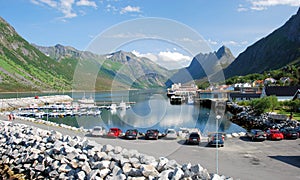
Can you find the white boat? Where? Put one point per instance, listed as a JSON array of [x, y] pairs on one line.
[[190, 100], [113, 107]]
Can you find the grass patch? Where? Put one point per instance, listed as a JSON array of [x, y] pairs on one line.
[[296, 115]]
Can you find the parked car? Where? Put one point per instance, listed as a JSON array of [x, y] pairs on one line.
[[257, 135], [193, 138], [273, 134], [131, 134], [289, 133], [98, 131], [216, 139], [114, 132], [152, 134], [170, 134], [297, 129]]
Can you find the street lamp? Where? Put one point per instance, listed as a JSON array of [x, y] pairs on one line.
[[218, 117]]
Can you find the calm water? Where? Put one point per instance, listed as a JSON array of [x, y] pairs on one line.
[[152, 109]]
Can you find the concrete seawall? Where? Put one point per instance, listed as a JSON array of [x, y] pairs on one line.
[[14, 103]]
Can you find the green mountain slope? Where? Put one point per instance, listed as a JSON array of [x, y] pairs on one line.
[[23, 67], [280, 48]]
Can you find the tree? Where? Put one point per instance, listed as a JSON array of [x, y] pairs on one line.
[[264, 104]]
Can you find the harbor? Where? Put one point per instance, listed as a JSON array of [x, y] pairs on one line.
[[56, 106]]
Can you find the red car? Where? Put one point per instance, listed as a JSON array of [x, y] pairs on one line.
[[114, 132], [273, 134]]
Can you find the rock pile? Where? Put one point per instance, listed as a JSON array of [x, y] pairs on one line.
[[42, 154]]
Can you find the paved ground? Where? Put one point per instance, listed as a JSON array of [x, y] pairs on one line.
[[240, 158]]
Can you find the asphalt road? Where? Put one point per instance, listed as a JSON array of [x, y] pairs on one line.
[[240, 158]]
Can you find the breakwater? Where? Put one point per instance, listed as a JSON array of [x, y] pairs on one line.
[[42, 154]]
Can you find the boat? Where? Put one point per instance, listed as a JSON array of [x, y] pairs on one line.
[[177, 99], [86, 102], [190, 100], [123, 105]]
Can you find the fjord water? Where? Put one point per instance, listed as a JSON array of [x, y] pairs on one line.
[[151, 109]]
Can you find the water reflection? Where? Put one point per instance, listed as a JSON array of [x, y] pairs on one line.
[[151, 110]]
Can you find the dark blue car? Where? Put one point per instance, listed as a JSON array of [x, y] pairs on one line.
[[216, 139]]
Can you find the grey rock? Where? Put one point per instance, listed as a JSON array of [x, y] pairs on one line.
[[62, 176], [166, 174], [93, 174], [126, 168], [86, 168], [149, 170], [197, 169], [116, 170], [162, 161], [104, 172], [64, 168], [186, 166], [145, 159], [82, 157], [135, 172], [178, 174], [172, 164], [53, 174], [74, 163], [107, 148], [81, 175], [39, 167], [118, 150]]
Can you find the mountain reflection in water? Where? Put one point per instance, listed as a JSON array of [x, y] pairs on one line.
[[152, 109]]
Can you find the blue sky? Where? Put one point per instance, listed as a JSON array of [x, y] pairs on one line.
[[77, 23]]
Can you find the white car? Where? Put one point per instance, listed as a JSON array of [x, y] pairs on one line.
[[170, 134], [98, 131]]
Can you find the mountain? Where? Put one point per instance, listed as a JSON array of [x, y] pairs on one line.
[[203, 65], [60, 52], [118, 70], [23, 67], [278, 49], [132, 71], [27, 67]]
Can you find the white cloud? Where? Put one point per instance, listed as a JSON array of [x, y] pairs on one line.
[[86, 3], [167, 59], [150, 56], [130, 9], [241, 8], [50, 3], [66, 7], [209, 41], [235, 43], [263, 4], [173, 56]]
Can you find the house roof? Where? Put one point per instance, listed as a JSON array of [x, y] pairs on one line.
[[296, 94], [281, 90], [245, 95]]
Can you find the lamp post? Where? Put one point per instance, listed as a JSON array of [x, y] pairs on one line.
[[218, 117], [219, 111]]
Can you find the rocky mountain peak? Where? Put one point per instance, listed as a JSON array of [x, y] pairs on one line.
[[224, 51]]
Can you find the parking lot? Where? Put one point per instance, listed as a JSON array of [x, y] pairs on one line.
[[239, 158]]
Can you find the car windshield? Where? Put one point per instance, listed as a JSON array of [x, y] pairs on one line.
[[259, 132], [194, 135], [97, 129]]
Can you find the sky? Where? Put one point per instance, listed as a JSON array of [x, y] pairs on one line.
[[169, 32]]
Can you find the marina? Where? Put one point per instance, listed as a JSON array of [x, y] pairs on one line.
[[135, 109]]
